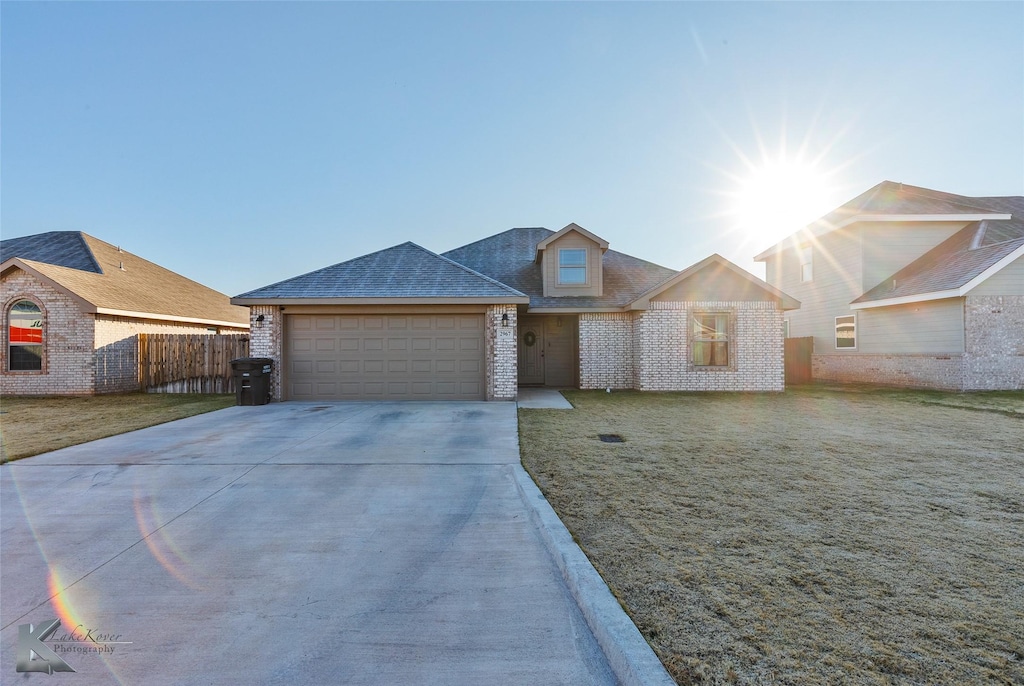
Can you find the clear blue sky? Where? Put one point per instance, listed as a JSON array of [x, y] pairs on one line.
[[243, 143]]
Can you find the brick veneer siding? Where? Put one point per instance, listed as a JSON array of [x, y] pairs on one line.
[[650, 350], [606, 350], [943, 372], [994, 338], [67, 341], [266, 339], [755, 348], [502, 371]]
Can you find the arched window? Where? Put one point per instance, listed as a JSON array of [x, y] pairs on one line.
[[25, 339]]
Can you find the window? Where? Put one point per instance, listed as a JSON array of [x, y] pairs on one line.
[[25, 337], [806, 264], [711, 339], [846, 332], [572, 266]]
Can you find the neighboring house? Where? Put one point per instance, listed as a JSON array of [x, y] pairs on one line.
[[523, 307], [73, 305], [912, 287]]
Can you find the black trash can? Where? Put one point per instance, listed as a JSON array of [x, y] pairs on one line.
[[252, 380]]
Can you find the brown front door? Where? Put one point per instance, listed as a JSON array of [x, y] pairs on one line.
[[560, 341], [531, 351]]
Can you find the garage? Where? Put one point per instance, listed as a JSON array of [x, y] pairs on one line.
[[402, 323], [395, 356]]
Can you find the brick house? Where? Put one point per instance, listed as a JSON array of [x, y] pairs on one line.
[[909, 286], [524, 307], [73, 306]]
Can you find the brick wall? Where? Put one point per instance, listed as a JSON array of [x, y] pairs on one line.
[[755, 348], [994, 339], [606, 350], [944, 372], [502, 374], [68, 366], [650, 350], [266, 339]]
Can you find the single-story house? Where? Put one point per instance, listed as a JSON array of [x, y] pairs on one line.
[[528, 306], [909, 286], [73, 306]]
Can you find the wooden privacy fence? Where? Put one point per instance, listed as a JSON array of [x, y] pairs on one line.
[[798, 360], [189, 363]]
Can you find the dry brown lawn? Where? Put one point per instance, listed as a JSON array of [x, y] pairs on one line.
[[30, 426], [813, 537]]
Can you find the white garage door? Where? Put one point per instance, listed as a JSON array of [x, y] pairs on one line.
[[385, 357]]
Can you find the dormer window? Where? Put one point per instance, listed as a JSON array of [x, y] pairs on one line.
[[572, 266]]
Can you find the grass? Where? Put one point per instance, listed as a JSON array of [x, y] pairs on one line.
[[817, 536], [29, 426]]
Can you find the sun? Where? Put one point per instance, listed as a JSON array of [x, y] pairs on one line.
[[779, 196]]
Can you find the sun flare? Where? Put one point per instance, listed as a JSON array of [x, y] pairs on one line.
[[779, 197]]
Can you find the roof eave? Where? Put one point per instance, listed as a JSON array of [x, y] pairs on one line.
[[170, 318], [495, 300], [16, 262], [907, 299], [572, 310]]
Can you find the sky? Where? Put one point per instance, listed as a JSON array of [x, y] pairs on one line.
[[243, 143]]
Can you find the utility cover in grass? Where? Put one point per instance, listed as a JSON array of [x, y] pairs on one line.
[[611, 438]]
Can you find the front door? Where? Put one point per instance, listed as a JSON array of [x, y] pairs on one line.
[[560, 340], [531, 350]]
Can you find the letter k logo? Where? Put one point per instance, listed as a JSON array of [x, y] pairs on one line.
[[33, 654]]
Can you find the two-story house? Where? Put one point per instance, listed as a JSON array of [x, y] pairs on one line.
[[911, 287]]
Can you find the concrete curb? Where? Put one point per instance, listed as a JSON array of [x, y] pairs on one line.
[[631, 659]]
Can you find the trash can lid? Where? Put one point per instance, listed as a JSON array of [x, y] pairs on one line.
[[252, 360]]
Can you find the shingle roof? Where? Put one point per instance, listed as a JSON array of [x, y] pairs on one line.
[[402, 271], [509, 257], [61, 248], [112, 279], [959, 259]]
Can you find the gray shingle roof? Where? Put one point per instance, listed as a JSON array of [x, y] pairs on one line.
[[959, 259], [510, 256], [62, 248], [402, 271]]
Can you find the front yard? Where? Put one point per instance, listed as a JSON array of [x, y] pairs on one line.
[[29, 426], [817, 536]]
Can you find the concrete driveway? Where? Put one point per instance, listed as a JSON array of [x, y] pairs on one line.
[[349, 543]]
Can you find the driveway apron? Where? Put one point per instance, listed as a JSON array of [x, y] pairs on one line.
[[294, 543]]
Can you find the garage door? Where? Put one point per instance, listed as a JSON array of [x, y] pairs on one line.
[[385, 357]]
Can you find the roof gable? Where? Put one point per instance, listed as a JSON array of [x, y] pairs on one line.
[[407, 271], [714, 278], [569, 228]]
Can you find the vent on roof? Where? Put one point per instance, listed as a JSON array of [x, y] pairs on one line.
[[120, 265]]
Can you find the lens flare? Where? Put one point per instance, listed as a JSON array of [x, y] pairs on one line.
[[161, 546]]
